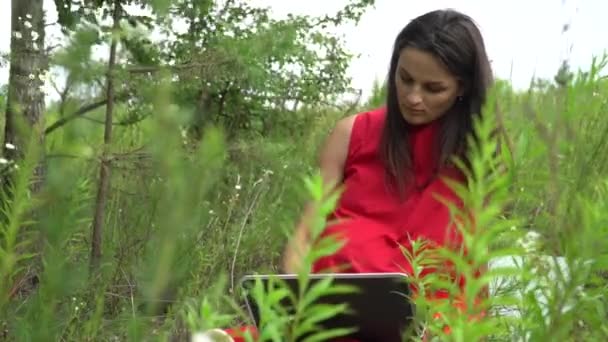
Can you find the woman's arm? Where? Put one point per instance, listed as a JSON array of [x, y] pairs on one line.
[[332, 158]]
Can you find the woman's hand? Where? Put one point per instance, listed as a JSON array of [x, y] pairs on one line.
[[292, 262], [294, 253]]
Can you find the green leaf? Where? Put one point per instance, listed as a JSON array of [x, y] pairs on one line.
[[324, 287], [324, 247], [161, 6], [329, 334]]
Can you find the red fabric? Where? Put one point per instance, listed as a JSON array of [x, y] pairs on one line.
[[373, 220], [238, 333]]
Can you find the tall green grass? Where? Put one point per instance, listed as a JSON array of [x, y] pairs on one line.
[[186, 220]]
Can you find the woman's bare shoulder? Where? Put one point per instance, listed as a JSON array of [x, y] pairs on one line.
[[344, 126]]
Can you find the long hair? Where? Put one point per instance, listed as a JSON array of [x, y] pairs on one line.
[[456, 41]]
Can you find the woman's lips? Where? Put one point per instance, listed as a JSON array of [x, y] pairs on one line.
[[415, 111]]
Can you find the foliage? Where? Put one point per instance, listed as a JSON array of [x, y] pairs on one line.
[[215, 127], [3, 92], [378, 95], [233, 64]]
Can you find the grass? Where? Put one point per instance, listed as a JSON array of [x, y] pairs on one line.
[[185, 220]]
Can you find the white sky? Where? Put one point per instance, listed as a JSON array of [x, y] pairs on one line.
[[523, 37]]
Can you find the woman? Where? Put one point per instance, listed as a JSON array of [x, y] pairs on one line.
[[389, 161]]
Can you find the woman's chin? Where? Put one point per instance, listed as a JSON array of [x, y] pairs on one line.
[[417, 120]]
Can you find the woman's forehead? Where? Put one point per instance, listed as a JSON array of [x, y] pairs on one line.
[[423, 65]]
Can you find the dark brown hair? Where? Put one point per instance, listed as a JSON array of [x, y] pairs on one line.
[[455, 40]]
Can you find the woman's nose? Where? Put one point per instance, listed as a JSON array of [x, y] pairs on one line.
[[413, 98]]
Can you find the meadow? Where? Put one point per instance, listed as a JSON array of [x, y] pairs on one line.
[[212, 156]]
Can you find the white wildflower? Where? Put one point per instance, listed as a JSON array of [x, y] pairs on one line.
[[27, 24], [32, 76], [17, 35], [29, 16], [3, 161], [530, 242], [238, 182], [44, 76], [10, 146], [211, 212], [532, 235], [34, 36]]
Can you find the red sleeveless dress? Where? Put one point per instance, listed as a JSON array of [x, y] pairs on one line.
[[372, 219]]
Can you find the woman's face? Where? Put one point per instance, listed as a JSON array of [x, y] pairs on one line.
[[425, 87]]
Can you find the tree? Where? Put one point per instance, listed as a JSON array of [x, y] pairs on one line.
[[106, 166], [564, 76], [378, 94], [28, 65], [250, 71], [83, 21], [234, 67], [25, 101], [3, 92]]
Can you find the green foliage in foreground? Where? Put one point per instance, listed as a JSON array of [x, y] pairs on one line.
[[189, 214], [171, 245]]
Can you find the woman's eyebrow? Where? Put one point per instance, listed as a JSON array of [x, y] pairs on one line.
[[431, 82]]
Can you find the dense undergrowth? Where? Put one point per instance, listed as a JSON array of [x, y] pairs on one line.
[[189, 214]]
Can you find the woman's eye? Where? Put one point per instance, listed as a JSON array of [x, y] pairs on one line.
[[434, 90], [406, 79]]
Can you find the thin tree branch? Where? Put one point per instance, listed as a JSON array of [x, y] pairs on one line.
[[142, 69], [56, 87], [50, 48], [80, 112], [106, 166], [119, 123]]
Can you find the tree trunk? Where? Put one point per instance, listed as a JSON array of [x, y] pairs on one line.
[[25, 100], [24, 113], [106, 164]]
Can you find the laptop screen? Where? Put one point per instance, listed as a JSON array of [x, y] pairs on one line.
[[380, 309]]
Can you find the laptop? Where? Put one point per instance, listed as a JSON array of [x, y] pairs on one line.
[[380, 310]]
